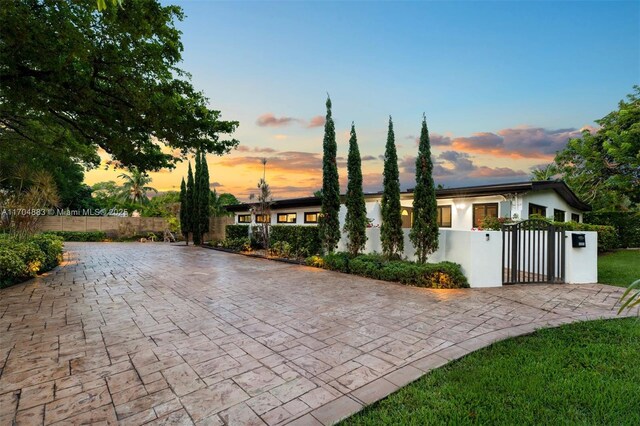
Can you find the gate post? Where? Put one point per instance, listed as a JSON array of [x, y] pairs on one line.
[[551, 253], [514, 253]]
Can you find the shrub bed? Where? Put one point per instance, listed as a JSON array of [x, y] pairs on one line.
[[89, 236], [233, 232], [376, 266], [627, 225], [21, 260], [303, 241]]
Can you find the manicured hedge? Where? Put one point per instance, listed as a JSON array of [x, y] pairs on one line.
[[303, 240], [21, 259], [89, 236], [233, 232], [432, 275], [607, 235], [627, 225]]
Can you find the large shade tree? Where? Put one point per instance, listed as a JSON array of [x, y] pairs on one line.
[[329, 219], [603, 168], [424, 230], [78, 80]]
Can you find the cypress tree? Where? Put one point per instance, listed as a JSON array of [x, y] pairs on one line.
[[330, 220], [190, 202], [391, 235], [424, 233], [195, 208], [205, 196], [184, 211], [356, 221]]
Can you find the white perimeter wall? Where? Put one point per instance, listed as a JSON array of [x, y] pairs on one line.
[[581, 262], [480, 257]]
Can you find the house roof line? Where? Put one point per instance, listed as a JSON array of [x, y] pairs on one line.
[[559, 187]]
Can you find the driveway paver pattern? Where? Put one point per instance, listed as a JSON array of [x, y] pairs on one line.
[[130, 333]]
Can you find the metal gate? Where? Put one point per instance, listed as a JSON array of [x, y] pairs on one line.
[[532, 252]]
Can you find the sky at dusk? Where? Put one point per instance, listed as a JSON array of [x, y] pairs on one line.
[[503, 85]]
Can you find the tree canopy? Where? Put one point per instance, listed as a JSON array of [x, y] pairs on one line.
[[603, 168], [75, 80]]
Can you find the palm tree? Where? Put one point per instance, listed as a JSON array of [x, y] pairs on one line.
[[134, 189]]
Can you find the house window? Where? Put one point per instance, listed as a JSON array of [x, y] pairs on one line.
[[311, 217], [575, 217], [537, 209], [480, 211], [244, 218], [263, 218], [444, 216], [287, 217], [558, 215]]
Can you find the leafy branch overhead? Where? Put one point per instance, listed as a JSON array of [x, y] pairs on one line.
[[104, 80]]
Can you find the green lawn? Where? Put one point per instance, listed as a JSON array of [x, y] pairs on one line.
[[583, 373], [619, 268]]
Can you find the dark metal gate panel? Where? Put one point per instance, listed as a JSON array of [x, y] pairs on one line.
[[533, 252]]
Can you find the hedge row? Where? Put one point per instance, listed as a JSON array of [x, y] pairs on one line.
[[376, 266], [89, 236], [233, 232], [627, 225], [24, 259], [303, 241]]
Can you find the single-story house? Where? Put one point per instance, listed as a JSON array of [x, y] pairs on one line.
[[461, 208]]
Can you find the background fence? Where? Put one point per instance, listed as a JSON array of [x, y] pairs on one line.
[[124, 226]]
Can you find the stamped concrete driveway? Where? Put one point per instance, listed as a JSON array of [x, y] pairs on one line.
[[134, 333]]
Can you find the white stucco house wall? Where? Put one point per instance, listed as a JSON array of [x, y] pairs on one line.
[[458, 208]]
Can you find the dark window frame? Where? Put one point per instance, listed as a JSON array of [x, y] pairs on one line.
[[485, 205], [557, 212], [440, 222], [241, 216], [575, 217], [537, 206], [311, 221], [260, 215], [286, 221]]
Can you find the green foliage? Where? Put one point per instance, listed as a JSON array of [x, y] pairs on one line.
[[329, 222], [196, 223], [218, 202], [233, 232], [281, 249], [627, 225], [204, 196], [603, 168], [237, 244], [607, 235], [424, 231], [432, 275], [51, 246], [584, 373], [21, 259], [391, 235], [190, 203], [631, 297], [356, 220], [619, 268], [135, 189], [89, 236], [379, 267], [315, 261], [491, 223], [184, 210], [165, 205], [102, 80], [337, 261], [303, 240]]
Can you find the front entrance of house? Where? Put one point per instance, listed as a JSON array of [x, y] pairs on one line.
[[533, 251]]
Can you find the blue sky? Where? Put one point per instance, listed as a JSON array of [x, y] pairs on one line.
[[475, 68]]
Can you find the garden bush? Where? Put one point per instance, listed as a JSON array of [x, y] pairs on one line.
[[304, 240], [280, 249], [89, 236], [24, 259], [376, 266], [233, 232], [627, 225], [237, 244]]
